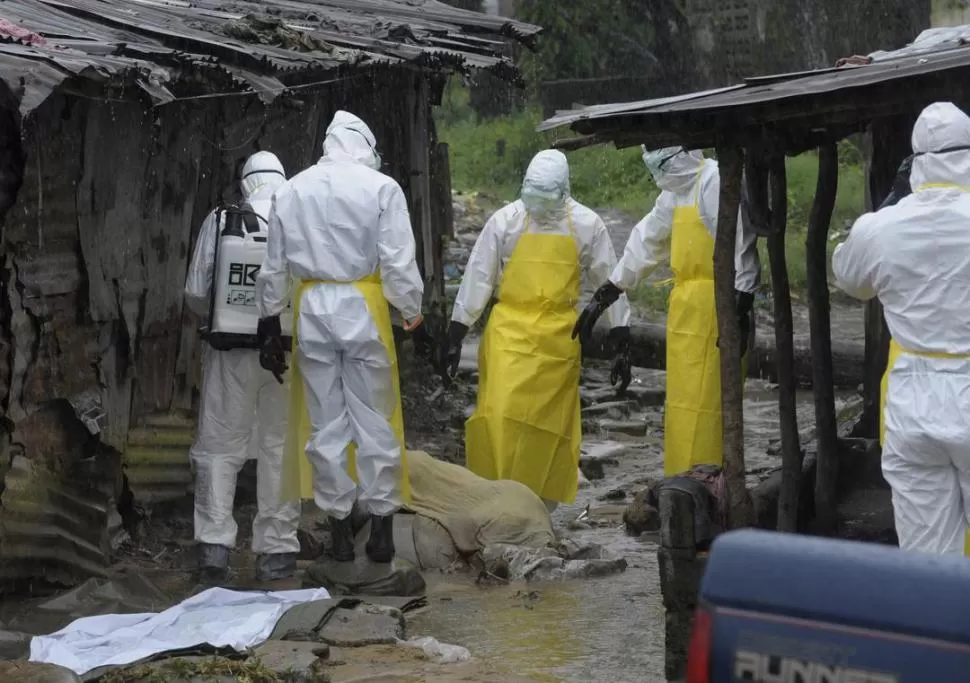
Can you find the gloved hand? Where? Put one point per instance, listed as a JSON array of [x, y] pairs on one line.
[[450, 354], [744, 303], [414, 324], [620, 372], [272, 356], [423, 342], [604, 297], [901, 184]]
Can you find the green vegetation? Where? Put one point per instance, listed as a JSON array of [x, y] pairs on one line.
[[207, 670], [491, 157]]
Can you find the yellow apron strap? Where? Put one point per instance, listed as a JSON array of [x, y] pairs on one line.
[[938, 355], [295, 484], [297, 475], [697, 186], [942, 186]]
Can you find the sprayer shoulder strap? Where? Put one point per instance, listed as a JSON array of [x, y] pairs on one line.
[[250, 218]]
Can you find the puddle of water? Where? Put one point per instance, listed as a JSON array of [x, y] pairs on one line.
[[609, 628]]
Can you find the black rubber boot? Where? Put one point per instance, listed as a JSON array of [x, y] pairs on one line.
[[380, 545], [275, 567], [213, 568], [342, 535]]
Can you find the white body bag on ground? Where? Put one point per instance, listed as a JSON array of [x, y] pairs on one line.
[[216, 617]]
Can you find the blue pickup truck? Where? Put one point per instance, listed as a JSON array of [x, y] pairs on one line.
[[783, 608]]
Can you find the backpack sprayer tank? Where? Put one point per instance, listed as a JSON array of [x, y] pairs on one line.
[[239, 251]]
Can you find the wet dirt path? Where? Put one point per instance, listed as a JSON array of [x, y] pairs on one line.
[[609, 628]]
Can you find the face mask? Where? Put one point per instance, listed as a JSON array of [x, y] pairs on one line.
[[655, 161], [541, 204]]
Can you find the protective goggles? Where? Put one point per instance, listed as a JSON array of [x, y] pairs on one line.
[[655, 161], [262, 170], [541, 200], [377, 156]]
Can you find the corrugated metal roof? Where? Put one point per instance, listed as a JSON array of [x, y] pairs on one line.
[[265, 46], [892, 83], [156, 458]]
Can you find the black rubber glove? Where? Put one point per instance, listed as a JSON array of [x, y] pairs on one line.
[[744, 304], [901, 184], [604, 297], [620, 373], [450, 355], [423, 343], [272, 356]]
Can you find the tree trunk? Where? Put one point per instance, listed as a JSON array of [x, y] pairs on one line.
[[827, 473], [785, 345], [741, 511]]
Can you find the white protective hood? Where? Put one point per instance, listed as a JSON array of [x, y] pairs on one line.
[[349, 138], [941, 126], [262, 169], [679, 173], [545, 187]]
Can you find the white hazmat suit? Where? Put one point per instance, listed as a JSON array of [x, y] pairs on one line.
[[337, 223], [532, 256], [500, 235], [681, 230], [240, 401], [915, 257], [649, 245]]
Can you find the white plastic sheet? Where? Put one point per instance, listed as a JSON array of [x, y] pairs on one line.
[[217, 617]]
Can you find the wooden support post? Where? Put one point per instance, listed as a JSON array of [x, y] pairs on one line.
[[791, 450], [443, 213], [422, 218], [741, 511], [827, 472], [680, 576]]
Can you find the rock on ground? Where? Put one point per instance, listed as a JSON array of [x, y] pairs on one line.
[[365, 624], [30, 672]]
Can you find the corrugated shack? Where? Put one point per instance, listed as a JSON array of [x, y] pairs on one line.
[[122, 123], [754, 125]]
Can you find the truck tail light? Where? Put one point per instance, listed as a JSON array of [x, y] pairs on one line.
[[699, 651]]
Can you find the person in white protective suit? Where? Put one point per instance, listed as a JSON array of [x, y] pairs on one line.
[[532, 255], [680, 230], [342, 229], [915, 257], [239, 402]]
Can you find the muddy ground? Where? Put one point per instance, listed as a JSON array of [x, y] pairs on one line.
[[593, 629], [609, 628]]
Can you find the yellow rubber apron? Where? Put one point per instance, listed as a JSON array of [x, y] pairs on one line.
[[527, 425], [692, 413], [895, 350], [297, 476]]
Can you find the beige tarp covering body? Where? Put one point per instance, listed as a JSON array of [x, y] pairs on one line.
[[475, 512]]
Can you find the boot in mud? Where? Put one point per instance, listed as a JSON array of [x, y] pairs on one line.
[[342, 533], [213, 565], [380, 545], [275, 567]]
